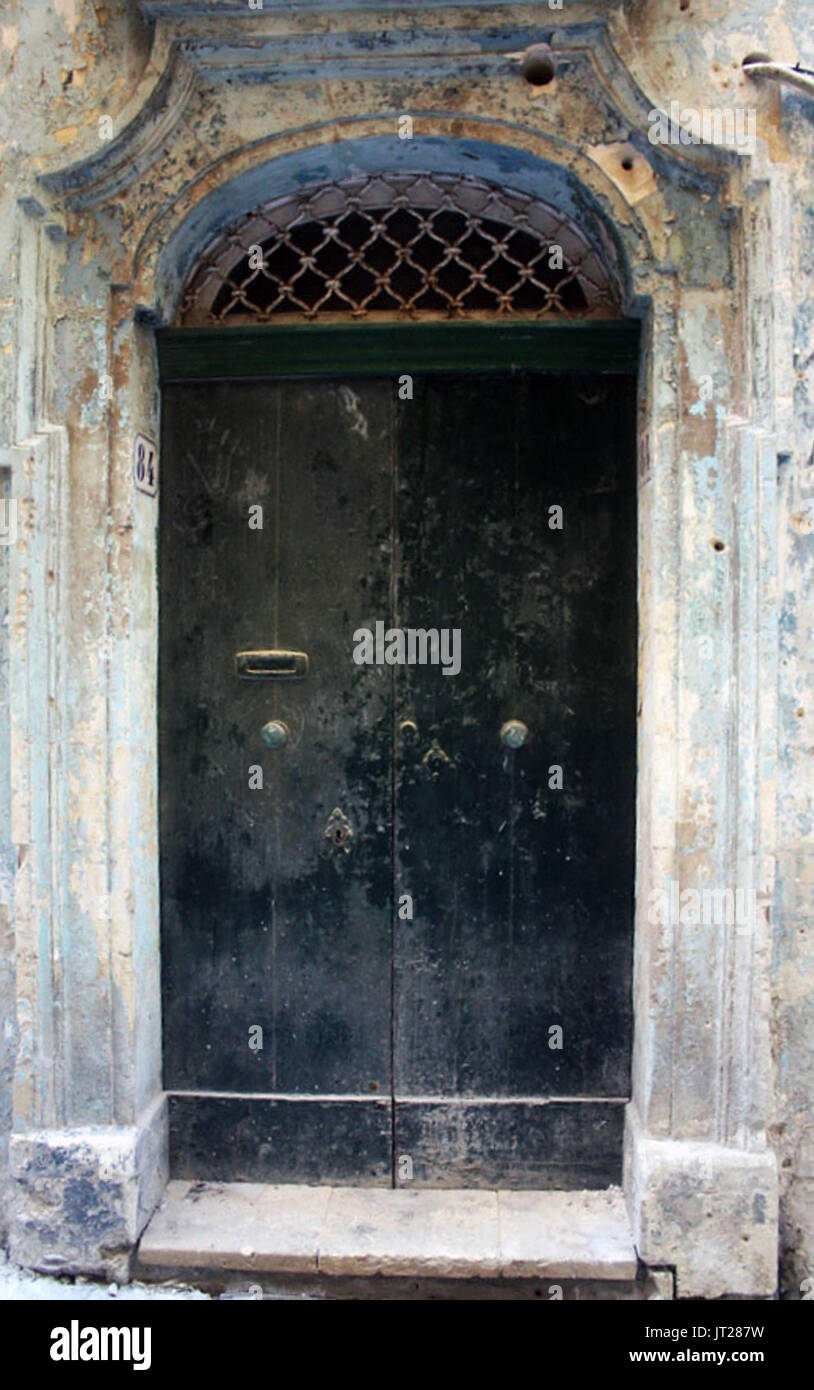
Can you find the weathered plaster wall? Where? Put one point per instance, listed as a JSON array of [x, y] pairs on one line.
[[64, 64], [692, 55], [794, 913]]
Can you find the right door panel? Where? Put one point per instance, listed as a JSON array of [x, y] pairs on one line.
[[512, 980]]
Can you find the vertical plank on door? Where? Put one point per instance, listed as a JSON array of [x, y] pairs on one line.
[[266, 923], [523, 892]]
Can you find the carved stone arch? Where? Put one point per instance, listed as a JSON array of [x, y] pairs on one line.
[[555, 187]]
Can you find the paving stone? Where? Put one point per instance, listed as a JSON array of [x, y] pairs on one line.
[[418, 1233], [453, 1234], [237, 1226], [565, 1235]]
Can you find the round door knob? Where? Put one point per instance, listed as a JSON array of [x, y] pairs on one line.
[[274, 734], [514, 733]]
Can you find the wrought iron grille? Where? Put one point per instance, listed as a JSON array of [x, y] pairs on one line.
[[400, 246]]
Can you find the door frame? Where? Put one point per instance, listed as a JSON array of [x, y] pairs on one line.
[[391, 348]]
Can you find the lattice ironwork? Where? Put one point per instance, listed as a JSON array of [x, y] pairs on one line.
[[400, 246]]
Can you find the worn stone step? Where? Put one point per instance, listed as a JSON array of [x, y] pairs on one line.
[[439, 1233]]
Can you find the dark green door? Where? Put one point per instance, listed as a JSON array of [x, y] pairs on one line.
[[516, 523], [395, 947]]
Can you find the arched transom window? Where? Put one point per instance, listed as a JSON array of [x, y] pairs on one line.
[[400, 246]]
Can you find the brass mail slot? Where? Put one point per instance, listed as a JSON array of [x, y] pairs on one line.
[[271, 666]]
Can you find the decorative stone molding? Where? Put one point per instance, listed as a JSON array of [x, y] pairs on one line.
[[217, 42], [38, 785]]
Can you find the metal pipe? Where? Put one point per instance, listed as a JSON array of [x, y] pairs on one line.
[[801, 78]]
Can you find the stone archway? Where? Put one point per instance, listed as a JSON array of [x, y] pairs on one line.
[[388, 252]]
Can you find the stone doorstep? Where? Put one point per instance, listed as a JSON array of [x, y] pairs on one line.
[[443, 1233]]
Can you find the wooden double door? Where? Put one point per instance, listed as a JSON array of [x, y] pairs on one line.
[[397, 899]]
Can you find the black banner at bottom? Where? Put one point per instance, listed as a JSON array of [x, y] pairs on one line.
[[249, 1333]]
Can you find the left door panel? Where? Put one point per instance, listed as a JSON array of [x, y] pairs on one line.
[[267, 922]]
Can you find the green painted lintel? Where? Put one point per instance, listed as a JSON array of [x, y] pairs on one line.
[[387, 349]]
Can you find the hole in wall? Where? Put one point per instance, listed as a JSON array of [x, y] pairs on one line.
[[539, 67]]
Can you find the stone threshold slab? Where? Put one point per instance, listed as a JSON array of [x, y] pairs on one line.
[[443, 1233]]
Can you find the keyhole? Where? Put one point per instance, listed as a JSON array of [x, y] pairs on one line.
[[339, 831]]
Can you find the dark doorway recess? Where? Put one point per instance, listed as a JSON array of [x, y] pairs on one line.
[[417, 1049]]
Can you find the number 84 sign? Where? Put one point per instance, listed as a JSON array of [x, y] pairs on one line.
[[145, 465]]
